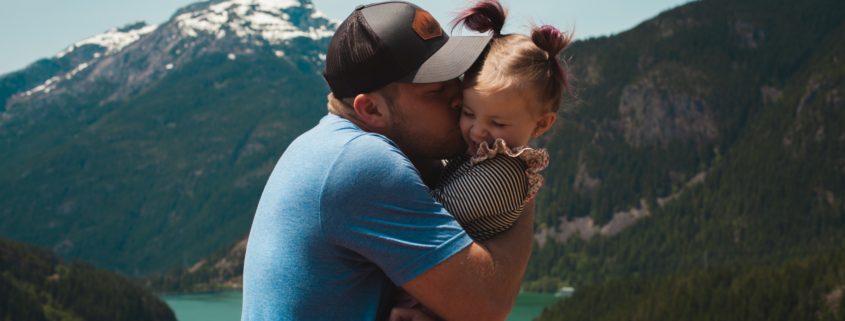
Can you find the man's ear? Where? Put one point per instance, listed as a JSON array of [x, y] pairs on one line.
[[371, 109], [544, 124]]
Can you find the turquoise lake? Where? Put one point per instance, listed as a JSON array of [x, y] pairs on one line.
[[226, 306]]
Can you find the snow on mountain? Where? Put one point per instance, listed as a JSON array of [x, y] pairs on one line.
[[111, 41], [137, 55], [268, 19], [106, 44], [114, 39]]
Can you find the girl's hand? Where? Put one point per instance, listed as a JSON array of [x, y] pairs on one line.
[[409, 314]]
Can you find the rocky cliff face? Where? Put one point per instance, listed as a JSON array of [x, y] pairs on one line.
[[655, 113]]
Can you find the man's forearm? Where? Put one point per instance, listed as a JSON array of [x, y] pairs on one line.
[[482, 281], [510, 252]]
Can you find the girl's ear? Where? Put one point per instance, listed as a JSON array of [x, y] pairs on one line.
[[371, 110], [544, 123]]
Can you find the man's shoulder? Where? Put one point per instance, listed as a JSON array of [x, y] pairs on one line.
[[372, 156], [333, 134], [374, 148], [362, 147], [333, 127], [355, 155]]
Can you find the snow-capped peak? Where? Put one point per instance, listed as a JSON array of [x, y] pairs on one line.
[[138, 54], [267, 19], [114, 39]]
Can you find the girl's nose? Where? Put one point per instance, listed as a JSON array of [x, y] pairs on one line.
[[479, 133]]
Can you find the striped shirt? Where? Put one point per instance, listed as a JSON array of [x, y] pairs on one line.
[[486, 198]]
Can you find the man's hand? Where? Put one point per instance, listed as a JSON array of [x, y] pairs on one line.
[[409, 314]]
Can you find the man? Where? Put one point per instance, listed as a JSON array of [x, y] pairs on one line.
[[346, 215]]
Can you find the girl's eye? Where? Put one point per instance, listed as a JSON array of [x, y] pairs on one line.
[[498, 124], [467, 113]]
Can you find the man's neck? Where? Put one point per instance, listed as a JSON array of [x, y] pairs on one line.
[[343, 110]]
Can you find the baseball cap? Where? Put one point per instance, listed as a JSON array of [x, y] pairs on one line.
[[395, 41]]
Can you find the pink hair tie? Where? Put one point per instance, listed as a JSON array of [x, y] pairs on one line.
[[484, 16], [552, 41]]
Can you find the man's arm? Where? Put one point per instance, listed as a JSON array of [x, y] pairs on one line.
[[480, 282]]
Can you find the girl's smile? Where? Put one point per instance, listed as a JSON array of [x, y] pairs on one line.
[[505, 114]]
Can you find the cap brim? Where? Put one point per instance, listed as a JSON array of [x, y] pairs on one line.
[[451, 61]]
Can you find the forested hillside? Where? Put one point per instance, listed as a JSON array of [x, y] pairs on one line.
[[710, 135], [735, 168], [801, 290], [36, 286]]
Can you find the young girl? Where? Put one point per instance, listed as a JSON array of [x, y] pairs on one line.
[[511, 95]]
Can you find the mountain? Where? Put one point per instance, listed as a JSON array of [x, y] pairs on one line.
[[147, 147], [711, 135], [703, 171], [35, 285]]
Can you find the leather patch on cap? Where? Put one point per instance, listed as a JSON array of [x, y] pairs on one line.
[[426, 26]]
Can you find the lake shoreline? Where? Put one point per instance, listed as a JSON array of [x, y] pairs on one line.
[[226, 305]]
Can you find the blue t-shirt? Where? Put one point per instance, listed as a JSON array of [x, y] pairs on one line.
[[343, 217]]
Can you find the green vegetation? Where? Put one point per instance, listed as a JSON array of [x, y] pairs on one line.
[[163, 178], [810, 288], [222, 270], [775, 172], [35, 285], [761, 237]]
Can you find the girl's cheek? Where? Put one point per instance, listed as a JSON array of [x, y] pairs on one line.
[[464, 122]]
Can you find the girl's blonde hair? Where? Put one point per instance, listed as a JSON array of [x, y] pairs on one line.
[[516, 61]]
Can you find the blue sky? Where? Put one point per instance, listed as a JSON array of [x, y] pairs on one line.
[[33, 29]]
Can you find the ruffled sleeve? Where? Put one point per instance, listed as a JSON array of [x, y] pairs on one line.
[[535, 161], [487, 192]]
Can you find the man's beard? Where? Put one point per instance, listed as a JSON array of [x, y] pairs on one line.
[[420, 147]]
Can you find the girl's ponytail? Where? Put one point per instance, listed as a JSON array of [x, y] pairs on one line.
[[553, 41], [517, 61], [484, 16]]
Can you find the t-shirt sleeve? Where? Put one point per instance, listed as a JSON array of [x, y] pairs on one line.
[[375, 204]]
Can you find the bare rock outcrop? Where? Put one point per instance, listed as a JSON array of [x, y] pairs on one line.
[[653, 113]]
